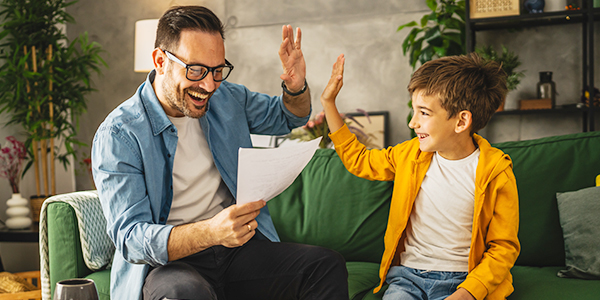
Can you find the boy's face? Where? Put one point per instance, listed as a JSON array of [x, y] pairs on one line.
[[436, 132]]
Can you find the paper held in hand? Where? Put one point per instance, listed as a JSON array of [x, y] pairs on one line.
[[265, 173]]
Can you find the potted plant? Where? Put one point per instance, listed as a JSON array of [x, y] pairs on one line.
[[509, 62], [44, 78], [439, 33]]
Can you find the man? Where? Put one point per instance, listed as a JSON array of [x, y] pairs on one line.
[[165, 164]]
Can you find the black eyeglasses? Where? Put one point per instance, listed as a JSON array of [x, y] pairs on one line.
[[197, 72]]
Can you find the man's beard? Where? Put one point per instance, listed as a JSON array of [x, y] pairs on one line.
[[177, 99]]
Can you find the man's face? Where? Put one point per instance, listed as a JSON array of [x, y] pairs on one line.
[[190, 98]]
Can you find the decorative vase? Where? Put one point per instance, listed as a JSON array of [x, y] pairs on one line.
[[78, 288], [535, 6], [17, 212]]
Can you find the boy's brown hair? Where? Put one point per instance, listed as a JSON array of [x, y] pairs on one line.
[[465, 82]]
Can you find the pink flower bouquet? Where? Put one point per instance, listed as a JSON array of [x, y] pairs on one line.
[[11, 161]]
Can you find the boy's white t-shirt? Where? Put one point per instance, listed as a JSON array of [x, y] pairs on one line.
[[439, 235], [199, 193]]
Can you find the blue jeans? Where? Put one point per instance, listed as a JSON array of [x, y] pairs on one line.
[[412, 284]]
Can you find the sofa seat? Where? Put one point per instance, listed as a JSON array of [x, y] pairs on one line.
[[542, 283]]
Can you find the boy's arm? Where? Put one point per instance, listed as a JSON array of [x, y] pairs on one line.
[[371, 164], [501, 241]]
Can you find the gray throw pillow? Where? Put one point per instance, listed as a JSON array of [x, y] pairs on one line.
[[579, 213]]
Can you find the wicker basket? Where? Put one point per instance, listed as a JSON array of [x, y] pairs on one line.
[[33, 277]]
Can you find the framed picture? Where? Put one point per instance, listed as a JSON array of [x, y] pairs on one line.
[[493, 8], [372, 131]]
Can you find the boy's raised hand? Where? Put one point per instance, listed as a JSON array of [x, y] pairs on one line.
[[335, 82], [331, 91]]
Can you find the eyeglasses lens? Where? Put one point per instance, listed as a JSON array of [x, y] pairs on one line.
[[199, 72]]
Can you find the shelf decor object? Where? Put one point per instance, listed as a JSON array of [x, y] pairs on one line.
[[493, 8], [528, 104], [18, 212], [77, 288]]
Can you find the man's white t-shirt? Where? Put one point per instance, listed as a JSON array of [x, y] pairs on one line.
[[199, 193], [439, 235]]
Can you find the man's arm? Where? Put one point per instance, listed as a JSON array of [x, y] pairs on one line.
[[296, 95], [232, 227]]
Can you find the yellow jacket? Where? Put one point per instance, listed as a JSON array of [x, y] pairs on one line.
[[494, 244]]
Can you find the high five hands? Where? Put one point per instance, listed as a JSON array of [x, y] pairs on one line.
[[292, 59]]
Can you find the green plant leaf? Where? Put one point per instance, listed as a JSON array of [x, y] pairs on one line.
[[432, 4], [409, 24]]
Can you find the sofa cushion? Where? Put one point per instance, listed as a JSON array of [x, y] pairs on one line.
[[329, 207], [542, 283], [362, 277], [579, 211], [102, 281], [544, 167]]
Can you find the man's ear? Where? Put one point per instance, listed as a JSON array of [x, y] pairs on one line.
[[159, 58], [464, 121]]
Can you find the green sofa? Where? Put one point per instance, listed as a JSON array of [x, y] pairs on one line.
[[328, 206]]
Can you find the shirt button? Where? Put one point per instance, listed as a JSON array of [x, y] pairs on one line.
[[172, 130], [169, 155], [162, 219]]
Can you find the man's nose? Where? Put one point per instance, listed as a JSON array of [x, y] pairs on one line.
[[208, 83]]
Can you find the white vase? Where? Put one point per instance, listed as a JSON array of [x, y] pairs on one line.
[[18, 212]]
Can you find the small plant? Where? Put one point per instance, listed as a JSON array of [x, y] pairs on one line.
[[439, 33], [509, 61], [11, 161]]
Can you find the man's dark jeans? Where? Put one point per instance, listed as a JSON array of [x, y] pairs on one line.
[[260, 270]]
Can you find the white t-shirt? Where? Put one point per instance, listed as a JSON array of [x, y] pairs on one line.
[[439, 235], [199, 193]]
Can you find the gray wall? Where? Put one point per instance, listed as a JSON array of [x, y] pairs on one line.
[[365, 31]]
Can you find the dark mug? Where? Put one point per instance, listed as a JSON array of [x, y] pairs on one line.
[[75, 289]]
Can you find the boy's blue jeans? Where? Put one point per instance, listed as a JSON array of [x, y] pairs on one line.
[[412, 284]]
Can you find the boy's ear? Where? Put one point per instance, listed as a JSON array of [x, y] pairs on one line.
[[464, 121]]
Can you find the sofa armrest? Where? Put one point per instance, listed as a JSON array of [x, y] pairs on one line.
[[64, 246]]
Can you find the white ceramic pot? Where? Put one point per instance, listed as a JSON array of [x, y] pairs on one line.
[[18, 212]]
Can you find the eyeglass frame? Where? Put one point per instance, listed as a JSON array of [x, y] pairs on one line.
[[212, 70]]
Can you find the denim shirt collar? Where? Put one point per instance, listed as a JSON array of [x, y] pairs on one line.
[[156, 114]]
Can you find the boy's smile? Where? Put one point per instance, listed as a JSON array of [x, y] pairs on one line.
[[435, 131]]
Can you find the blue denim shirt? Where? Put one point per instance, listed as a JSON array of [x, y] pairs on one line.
[[132, 160]]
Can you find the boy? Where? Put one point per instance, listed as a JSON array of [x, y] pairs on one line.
[[452, 228]]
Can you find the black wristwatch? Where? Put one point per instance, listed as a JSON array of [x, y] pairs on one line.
[[296, 93]]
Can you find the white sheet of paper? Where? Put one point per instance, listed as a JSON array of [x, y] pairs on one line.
[[265, 173]]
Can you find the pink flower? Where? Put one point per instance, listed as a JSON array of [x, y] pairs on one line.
[[11, 161]]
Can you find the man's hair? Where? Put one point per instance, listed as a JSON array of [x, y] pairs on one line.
[[180, 18], [465, 82]]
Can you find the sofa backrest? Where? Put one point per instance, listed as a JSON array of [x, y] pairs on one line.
[[327, 206], [542, 168]]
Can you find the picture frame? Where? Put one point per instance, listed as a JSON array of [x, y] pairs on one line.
[[493, 8], [375, 126]]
